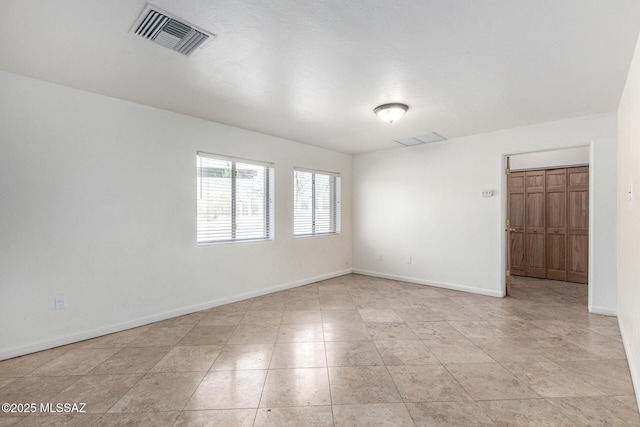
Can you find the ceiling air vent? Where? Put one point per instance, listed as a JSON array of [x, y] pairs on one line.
[[165, 30], [422, 139]]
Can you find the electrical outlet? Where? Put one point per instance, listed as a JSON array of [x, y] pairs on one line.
[[61, 302], [630, 194], [300, 262], [486, 193], [380, 257]]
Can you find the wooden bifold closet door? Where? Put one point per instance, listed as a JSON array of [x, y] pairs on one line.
[[549, 223]]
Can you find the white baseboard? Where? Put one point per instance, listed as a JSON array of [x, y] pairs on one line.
[[628, 351], [416, 280], [94, 333], [602, 310]]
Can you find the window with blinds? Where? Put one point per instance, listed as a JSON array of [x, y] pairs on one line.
[[316, 203], [235, 199]]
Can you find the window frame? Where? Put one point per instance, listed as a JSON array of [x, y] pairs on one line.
[[268, 202], [335, 210]]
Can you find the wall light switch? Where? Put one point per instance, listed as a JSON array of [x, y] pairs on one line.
[[486, 193], [61, 302]]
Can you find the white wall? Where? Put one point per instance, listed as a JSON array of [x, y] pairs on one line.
[[551, 159], [97, 202], [629, 219], [425, 202]]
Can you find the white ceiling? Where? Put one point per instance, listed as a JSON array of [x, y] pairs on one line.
[[313, 70]]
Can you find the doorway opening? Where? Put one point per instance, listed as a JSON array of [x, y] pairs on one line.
[[546, 208]]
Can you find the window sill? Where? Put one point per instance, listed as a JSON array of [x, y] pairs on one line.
[[306, 236], [232, 242]]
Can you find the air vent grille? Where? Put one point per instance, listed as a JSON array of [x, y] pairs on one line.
[[151, 24], [169, 32], [422, 139]]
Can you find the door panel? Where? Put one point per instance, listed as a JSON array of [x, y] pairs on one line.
[[535, 210], [556, 209], [556, 180], [535, 181], [578, 225], [579, 177], [507, 230], [578, 258], [517, 254], [579, 209], [516, 183], [535, 255], [517, 210], [535, 224], [556, 215], [556, 257]]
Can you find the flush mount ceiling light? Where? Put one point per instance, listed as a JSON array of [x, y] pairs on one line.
[[390, 112]]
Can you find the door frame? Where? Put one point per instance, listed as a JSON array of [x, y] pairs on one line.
[[503, 212]]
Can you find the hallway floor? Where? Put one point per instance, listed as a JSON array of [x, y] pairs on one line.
[[353, 350]]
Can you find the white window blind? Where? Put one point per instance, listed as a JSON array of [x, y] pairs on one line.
[[234, 199], [316, 203]]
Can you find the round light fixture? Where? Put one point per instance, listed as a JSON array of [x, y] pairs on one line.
[[390, 112]]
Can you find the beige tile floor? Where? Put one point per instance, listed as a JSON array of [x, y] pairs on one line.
[[349, 351]]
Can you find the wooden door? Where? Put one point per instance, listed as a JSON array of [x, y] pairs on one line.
[[516, 204], [556, 224], [535, 224], [508, 236], [578, 224]]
